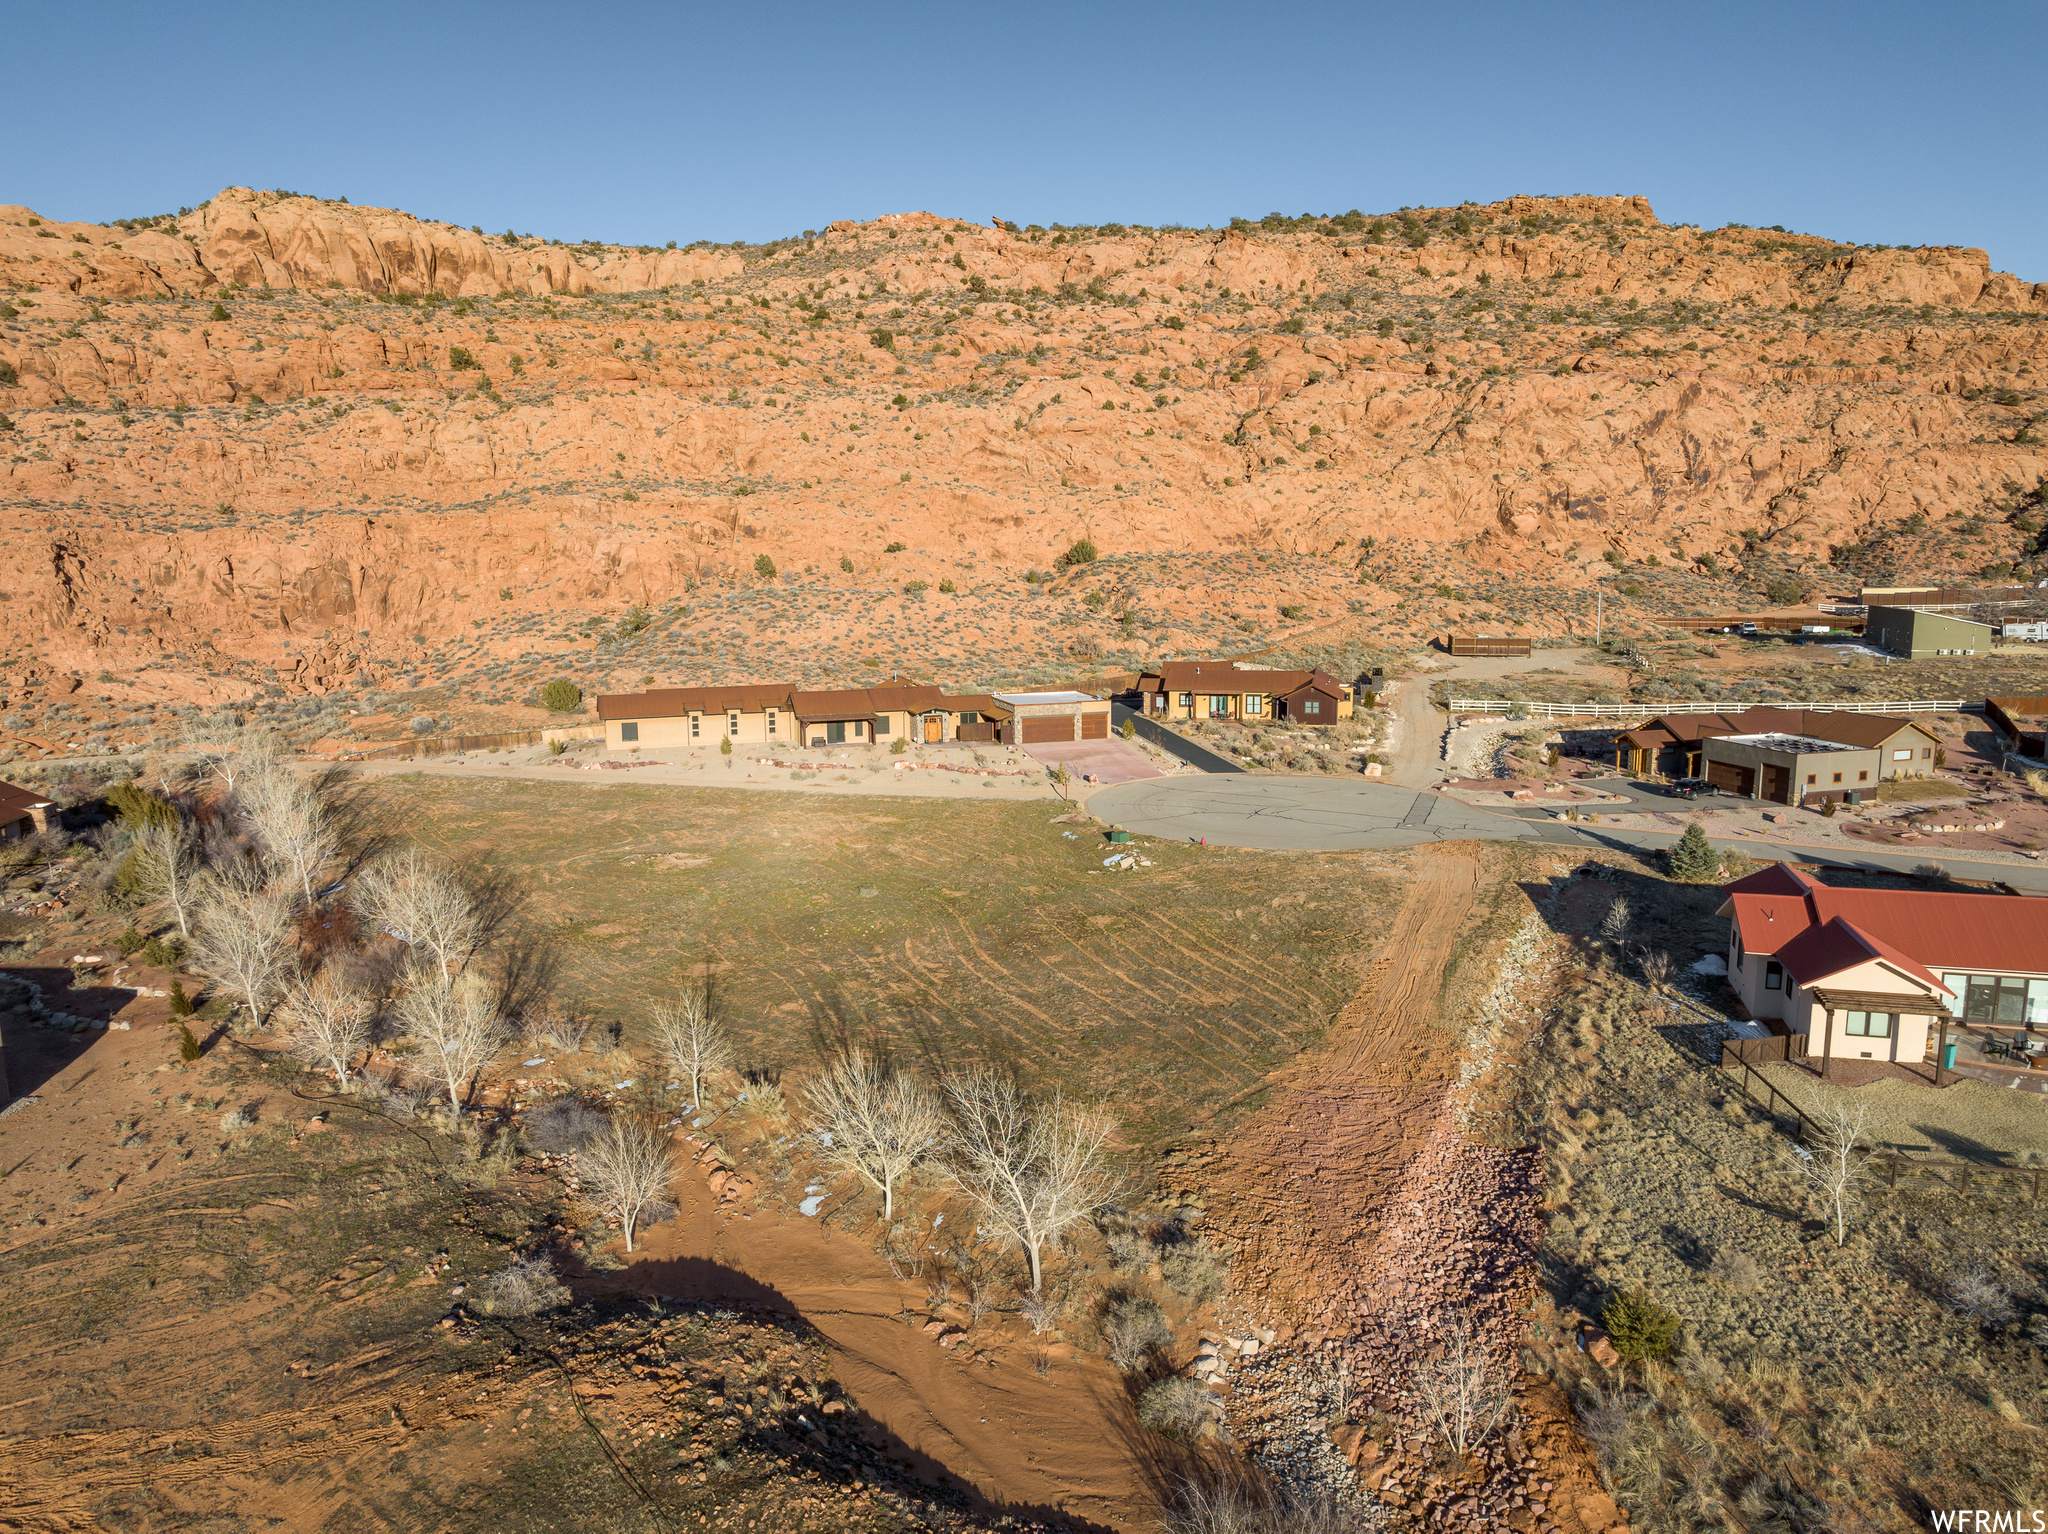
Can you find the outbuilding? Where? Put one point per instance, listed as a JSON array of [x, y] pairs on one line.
[[1914, 635], [22, 813], [1788, 769]]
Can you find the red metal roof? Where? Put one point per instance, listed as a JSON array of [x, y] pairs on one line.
[[1838, 945], [1933, 929]]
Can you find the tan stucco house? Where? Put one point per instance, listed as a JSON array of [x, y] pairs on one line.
[[1882, 974], [1223, 689]]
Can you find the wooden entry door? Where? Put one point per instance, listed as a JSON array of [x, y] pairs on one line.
[[934, 730], [1777, 784]]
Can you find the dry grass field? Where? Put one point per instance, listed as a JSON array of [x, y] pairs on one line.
[[954, 932]]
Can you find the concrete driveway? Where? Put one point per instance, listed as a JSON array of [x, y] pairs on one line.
[[1107, 761], [1344, 815]]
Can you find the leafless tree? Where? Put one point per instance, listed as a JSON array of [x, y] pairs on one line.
[[874, 1120], [1834, 1164], [230, 754], [459, 1029], [167, 867], [244, 940], [1462, 1392], [421, 902], [693, 1039], [291, 823], [1034, 1168], [626, 1168], [326, 1021]]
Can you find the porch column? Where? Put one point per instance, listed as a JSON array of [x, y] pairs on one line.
[[1827, 1041], [1941, 1049]]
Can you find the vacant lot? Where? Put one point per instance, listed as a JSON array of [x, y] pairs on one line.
[[954, 932]]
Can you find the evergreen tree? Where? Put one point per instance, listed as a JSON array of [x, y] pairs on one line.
[[1694, 859]]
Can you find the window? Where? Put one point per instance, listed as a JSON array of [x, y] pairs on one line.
[[1219, 705], [1838, 777], [732, 722], [1311, 707], [1774, 976], [1959, 985], [1862, 777], [1187, 700], [1926, 752], [1253, 703], [1812, 778], [630, 730], [1739, 954], [835, 733], [771, 721], [2037, 1003], [966, 719], [1903, 756], [696, 725], [884, 724], [1868, 1025]]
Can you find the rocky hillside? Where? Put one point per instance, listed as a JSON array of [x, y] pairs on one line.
[[278, 443]]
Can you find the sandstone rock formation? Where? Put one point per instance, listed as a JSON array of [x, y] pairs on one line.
[[278, 442]]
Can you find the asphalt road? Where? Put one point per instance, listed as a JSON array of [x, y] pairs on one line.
[[1315, 815]]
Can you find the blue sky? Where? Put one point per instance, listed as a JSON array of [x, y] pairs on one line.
[[1883, 122]]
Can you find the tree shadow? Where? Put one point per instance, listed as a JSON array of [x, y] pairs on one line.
[[1965, 1148], [36, 1055], [840, 1447]]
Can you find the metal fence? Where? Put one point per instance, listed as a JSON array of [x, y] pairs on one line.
[[1534, 710]]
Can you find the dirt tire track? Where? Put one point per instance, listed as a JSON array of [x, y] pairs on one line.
[[1298, 1188]]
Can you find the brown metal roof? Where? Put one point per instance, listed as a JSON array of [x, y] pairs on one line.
[[1222, 676], [16, 802], [1842, 728], [844, 703], [976, 702], [910, 697], [670, 702]]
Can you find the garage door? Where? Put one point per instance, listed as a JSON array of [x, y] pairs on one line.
[[1095, 726], [1729, 778], [1043, 729]]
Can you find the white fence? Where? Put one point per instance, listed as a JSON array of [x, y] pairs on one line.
[[1535, 710]]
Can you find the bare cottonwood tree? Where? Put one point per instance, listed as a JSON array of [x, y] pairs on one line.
[[459, 1029], [878, 1121], [243, 939], [420, 901], [230, 754], [291, 823], [326, 1021], [168, 869], [626, 1168], [693, 1039], [1463, 1393], [1835, 1161], [1034, 1168]]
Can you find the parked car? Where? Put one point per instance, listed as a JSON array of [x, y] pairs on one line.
[[1684, 788]]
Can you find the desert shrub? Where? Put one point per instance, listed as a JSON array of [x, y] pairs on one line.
[[1734, 1267], [129, 942], [1176, 1406], [1208, 1507], [525, 1286], [188, 1043], [461, 360], [236, 1120], [1693, 858], [160, 952], [1193, 1270], [1080, 552], [846, 564], [422, 723], [1132, 1326], [1827, 809], [1978, 1294], [1041, 1312], [136, 806], [181, 1004], [218, 313], [566, 1124], [764, 567], [561, 696], [898, 746], [1639, 1327], [1129, 1247]]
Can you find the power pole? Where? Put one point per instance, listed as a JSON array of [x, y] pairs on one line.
[[1599, 615]]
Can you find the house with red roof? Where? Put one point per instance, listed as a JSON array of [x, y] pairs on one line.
[[1869, 974]]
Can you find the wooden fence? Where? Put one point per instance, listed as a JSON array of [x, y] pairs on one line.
[[1537, 710], [405, 750], [1948, 1172]]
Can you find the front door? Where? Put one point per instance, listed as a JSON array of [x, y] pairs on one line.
[[835, 733], [933, 730], [1777, 784]]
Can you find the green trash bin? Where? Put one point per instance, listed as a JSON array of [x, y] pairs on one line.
[[1118, 838], [1948, 1057]]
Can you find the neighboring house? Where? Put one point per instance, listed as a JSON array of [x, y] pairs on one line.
[[22, 813], [1787, 769], [1674, 744], [1865, 974], [1045, 718], [1914, 635], [1221, 689], [695, 716]]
